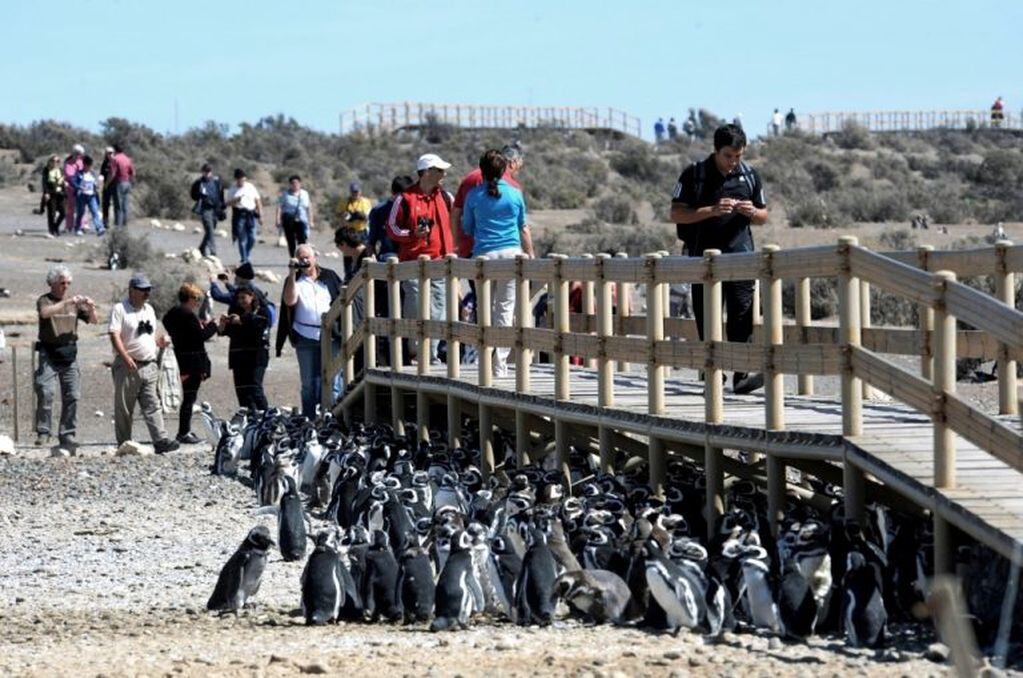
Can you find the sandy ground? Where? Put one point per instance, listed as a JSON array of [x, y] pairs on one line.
[[107, 562]]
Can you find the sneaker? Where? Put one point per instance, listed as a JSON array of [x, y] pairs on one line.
[[166, 445], [69, 445], [743, 383], [43, 440], [189, 439]]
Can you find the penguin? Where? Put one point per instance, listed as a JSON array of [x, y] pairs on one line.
[[380, 580], [534, 590], [864, 615], [240, 577], [228, 450], [679, 593], [797, 607], [596, 596], [291, 530], [323, 591], [415, 585], [763, 611], [507, 564], [458, 593]]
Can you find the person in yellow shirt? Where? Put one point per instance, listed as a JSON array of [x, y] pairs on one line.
[[353, 212]]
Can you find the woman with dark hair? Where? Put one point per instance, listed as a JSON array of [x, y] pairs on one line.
[[189, 335], [495, 216], [295, 214], [247, 324]]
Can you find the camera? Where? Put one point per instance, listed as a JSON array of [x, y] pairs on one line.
[[301, 264], [355, 216], [424, 224]]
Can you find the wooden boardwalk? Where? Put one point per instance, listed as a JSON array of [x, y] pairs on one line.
[[896, 444]]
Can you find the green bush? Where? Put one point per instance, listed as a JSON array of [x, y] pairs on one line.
[[814, 211], [854, 136], [615, 209]]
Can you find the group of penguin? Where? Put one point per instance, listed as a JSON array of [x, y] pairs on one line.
[[412, 532]]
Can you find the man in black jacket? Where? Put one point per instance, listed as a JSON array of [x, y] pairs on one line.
[[309, 292], [208, 194]]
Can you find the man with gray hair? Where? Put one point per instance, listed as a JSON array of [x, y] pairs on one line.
[[59, 313]]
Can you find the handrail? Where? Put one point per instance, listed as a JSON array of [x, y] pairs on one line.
[[906, 121], [612, 330]]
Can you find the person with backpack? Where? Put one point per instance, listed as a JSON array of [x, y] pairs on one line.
[[420, 223], [713, 205], [87, 189], [208, 194]]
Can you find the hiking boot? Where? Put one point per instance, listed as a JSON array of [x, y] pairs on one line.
[[743, 383], [43, 440], [189, 439], [166, 445]]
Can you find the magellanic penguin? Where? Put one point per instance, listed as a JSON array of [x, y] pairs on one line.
[[323, 584], [415, 585], [534, 592], [677, 590], [380, 580], [458, 592], [864, 614], [291, 529], [596, 596], [763, 611], [239, 579]]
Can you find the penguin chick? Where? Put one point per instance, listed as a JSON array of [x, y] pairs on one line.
[[240, 577], [596, 596]]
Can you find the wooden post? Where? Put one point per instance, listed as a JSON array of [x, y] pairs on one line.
[[665, 303], [394, 306], [369, 350], [485, 374], [774, 386], [423, 363], [14, 387], [624, 310], [523, 357], [588, 308], [868, 390], [942, 545], [852, 391], [454, 350], [605, 366], [327, 363], [712, 394], [347, 324], [944, 385], [562, 387], [757, 314], [805, 381], [655, 373], [1005, 289], [926, 318]]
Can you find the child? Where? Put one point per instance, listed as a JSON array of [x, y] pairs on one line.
[[87, 190]]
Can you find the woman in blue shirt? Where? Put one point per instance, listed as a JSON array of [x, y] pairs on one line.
[[495, 216]]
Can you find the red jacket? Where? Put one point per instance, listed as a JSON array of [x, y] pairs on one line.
[[408, 209]]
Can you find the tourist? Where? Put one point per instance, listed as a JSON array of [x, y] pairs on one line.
[[247, 209], [672, 130], [790, 120], [714, 203], [133, 334], [495, 217], [243, 275], [72, 166], [295, 214], [309, 291], [464, 242], [997, 112], [419, 223], [776, 121], [659, 130], [354, 210], [208, 194], [87, 187], [247, 324], [188, 335], [123, 176], [379, 244], [59, 313], [53, 194], [106, 171]]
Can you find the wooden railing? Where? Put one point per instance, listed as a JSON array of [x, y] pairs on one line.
[[610, 336], [907, 121], [389, 117]]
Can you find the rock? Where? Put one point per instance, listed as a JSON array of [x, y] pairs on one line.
[[6, 444], [695, 661], [155, 223], [197, 230], [266, 275], [130, 448], [60, 453], [213, 264], [774, 643], [314, 668], [98, 414], [672, 655], [220, 233], [191, 255], [937, 652], [178, 226]]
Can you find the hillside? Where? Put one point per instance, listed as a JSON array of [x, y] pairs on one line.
[[852, 177]]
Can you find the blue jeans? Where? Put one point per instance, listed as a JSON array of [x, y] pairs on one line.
[[90, 201], [243, 226], [121, 204], [309, 373]]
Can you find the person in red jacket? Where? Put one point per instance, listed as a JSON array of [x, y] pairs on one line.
[[420, 223]]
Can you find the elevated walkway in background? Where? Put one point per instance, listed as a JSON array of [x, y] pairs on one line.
[[829, 122]]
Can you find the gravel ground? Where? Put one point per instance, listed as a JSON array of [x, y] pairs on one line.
[[107, 562]]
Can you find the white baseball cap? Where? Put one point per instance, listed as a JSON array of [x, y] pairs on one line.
[[431, 160], [77, 148]]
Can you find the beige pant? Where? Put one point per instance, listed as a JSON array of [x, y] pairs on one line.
[[131, 387]]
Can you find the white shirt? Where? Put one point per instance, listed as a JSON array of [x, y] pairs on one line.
[[125, 320], [247, 195], [313, 303], [776, 118]]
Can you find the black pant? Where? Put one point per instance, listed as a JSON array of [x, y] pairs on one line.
[[295, 232], [109, 198], [738, 297], [248, 387], [55, 212], [189, 394]]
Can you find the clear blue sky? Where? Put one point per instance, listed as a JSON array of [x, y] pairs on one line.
[[85, 61]]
